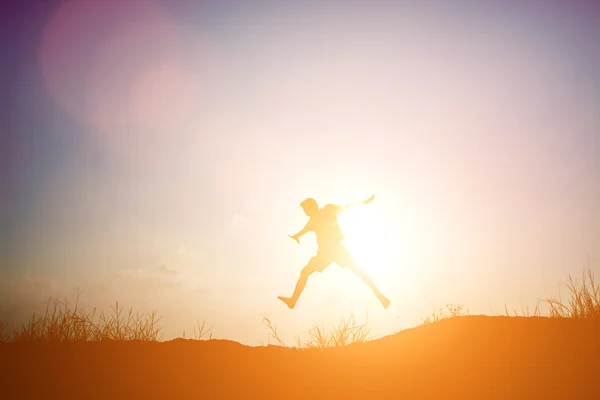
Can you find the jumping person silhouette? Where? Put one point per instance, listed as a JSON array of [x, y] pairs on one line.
[[323, 222]]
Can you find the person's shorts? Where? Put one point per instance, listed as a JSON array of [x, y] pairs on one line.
[[331, 254]]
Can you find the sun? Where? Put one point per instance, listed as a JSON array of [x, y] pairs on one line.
[[369, 239]]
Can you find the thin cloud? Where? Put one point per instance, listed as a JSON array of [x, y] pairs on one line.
[[239, 220]]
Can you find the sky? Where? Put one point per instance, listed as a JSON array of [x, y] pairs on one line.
[[155, 153]]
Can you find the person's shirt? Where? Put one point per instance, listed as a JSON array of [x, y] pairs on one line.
[[325, 225]]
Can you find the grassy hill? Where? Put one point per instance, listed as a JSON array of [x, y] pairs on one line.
[[476, 357]]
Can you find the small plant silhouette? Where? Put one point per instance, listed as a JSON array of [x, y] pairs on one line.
[[525, 311], [267, 322], [199, 331], [449, 311]]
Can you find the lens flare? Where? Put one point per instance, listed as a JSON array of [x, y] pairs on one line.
[[121, 70]]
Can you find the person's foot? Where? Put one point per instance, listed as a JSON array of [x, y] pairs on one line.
[[385, 302], [288, 301]]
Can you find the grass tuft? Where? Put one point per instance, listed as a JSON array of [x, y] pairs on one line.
[[344, 334], [348, 331], [584, 300], [65, 322]]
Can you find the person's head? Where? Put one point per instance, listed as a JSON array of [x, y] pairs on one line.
[[310, 207]]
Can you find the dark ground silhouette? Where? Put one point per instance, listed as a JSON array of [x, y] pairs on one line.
[[471, 357]]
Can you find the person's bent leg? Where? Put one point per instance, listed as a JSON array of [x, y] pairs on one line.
[[316, 264]]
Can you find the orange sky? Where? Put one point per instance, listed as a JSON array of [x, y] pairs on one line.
[[172, 148]]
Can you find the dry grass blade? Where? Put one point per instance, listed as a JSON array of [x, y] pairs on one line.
[[525, 312], [199, 331], [267, 322]]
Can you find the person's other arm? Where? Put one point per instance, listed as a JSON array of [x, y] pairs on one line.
[[304, 230]]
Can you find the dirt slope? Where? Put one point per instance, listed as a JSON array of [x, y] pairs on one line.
[[474, 357]]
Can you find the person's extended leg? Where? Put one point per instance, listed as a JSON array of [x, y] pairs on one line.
[[316, 264], [345, 260]]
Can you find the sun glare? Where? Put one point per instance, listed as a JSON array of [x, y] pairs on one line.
[[368, 239]]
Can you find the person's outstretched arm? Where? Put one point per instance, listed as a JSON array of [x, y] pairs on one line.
[[304, 230], [338, 209], [359, 203]]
